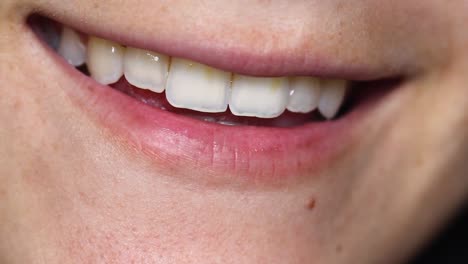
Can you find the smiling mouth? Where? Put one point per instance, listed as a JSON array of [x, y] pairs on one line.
[[268, 126]]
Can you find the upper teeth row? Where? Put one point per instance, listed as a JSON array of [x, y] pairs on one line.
[[199, 87]]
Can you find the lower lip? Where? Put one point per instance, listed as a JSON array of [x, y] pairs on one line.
[[185, 147]]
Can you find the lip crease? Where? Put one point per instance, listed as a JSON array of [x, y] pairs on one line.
[[180, 145]]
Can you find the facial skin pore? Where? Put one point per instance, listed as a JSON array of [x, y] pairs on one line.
[[72, 191]]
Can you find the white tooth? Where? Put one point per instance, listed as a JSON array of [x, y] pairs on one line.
[[145, 69], [105, 60], [198, 87], [72, 48], [259, 97], [304, 94], [331, 97]]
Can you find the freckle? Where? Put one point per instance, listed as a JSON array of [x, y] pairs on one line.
[[55, 147], [311, 204], [17, 105], [163, 8], [339, 248]]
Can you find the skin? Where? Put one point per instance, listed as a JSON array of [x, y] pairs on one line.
[[72, 193]]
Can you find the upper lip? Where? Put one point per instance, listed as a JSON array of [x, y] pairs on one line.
[[302, 59], [232, 57]]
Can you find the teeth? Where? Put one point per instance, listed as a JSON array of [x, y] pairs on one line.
[[259, 97], [304, 94], [105, 60], [72, 48], [145, 69], [331, 97], [198, 87]]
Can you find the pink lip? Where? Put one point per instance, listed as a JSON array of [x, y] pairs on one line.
[[237, 58]]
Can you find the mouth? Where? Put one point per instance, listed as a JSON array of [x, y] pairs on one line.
[[187, 116]]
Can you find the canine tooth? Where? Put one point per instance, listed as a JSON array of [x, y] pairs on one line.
[[304, 94], [145, 69], [71, 47], [105, 60], [259, 97], [198, 87], [331, 97]]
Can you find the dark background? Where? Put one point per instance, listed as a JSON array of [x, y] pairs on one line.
[[449, 247]]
